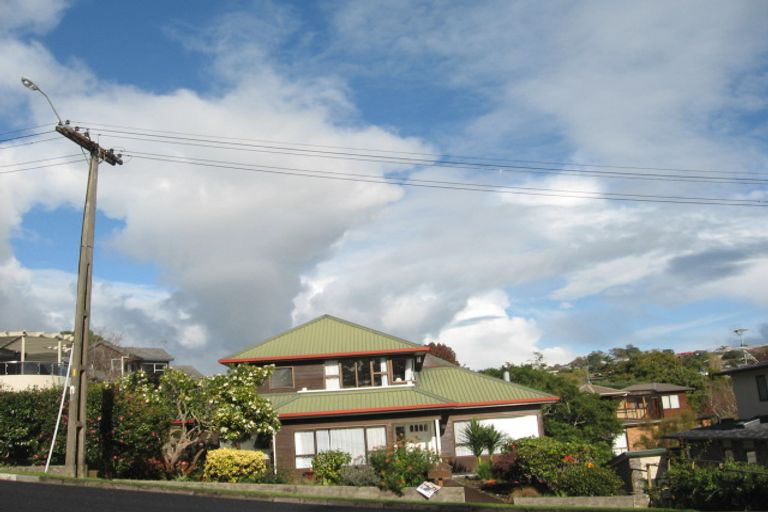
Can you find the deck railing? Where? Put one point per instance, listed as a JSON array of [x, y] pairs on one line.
[[32, 368]]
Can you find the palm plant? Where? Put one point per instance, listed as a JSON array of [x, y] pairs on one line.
[[475, 437], [493, 440]]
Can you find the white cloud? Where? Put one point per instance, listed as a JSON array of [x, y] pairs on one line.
[[483, 335]]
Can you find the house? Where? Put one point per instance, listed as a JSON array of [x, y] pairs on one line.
[[641, 408], [339, 385], [750, 385], [744, 440], [109, 361], [33, 359]]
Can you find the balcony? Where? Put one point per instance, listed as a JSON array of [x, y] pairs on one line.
[[18, 375], [640, 410]]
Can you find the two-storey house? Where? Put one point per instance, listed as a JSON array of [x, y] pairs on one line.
[[342, 386], [641, 407], [33, 359]]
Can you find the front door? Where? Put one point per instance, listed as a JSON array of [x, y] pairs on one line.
[[421, 434]]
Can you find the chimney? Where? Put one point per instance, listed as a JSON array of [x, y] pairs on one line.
[[506, 375]]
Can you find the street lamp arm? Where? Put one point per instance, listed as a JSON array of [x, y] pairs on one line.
[[32, 86]]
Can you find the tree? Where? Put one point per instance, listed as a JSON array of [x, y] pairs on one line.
[[474, 436], [224, 406], [443, 352], [577, 416]]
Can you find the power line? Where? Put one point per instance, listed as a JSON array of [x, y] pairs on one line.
[[31, 128], [14, 171], [28, 143], [18, 137], [431, 156], [38, 160], [470, 187], [210, 143]]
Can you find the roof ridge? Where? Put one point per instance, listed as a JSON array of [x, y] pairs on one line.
[[493, 379], [316, 320]]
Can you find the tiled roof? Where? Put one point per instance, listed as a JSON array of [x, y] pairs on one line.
[[326, 336], [436, 388], [147, 354], [739, 369]]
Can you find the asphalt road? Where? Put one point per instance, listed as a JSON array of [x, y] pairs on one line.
[[38, 497]]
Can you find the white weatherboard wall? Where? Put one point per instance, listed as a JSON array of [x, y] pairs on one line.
[[514, 428]]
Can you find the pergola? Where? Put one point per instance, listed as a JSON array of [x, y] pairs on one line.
[[38, 347]]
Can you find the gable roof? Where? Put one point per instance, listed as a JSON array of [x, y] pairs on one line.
[[324, 337], [438, 388], [139, 353]]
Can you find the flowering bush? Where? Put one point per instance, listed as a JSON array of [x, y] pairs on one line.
[[231, 465], [401, 466], [327, 466], [543, 462]]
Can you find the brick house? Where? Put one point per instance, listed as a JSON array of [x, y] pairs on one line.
[[339, 385]]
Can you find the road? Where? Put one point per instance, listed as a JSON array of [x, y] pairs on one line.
[[38, 497]]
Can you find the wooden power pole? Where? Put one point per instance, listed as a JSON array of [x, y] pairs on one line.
[[75, 463]]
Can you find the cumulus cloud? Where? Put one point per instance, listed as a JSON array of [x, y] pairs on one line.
[[241, 254], [484, 335]]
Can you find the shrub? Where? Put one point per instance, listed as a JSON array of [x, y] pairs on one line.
[[541, 462], [230, 465], [327, 466], [359, 476], [401, 466], [734, 486], [484, 471], [587, 480], [504, 466]]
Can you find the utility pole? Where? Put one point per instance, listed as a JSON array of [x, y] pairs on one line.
[[78, 392], [78, 369]]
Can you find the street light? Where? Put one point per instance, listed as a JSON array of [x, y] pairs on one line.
[[32, 86]]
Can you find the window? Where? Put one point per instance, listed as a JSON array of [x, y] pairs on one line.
[[514, 428], [762, 388], [151, 368], [402, 370], [360, 373], [670, 402], [116, 365], [282, 378], [356, 441]]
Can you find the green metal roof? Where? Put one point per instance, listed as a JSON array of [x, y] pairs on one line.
[[465, 386], [436, 388], [326, 336]]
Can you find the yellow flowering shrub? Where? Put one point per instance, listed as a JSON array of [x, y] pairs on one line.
[[231, 465]]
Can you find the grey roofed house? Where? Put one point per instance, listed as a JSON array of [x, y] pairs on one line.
[[109, 361], [745, 441]]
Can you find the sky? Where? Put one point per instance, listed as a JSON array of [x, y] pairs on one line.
[[285, 160]]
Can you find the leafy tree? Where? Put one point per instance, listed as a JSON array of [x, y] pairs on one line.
[[577, 416], [443, 352]]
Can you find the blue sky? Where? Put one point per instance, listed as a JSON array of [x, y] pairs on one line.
[[204, 260]]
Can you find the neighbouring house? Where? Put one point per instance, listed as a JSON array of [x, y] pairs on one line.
[[641, 408], [33, 359], [339, 385], [750, 385], [109, 361], [744, 440]]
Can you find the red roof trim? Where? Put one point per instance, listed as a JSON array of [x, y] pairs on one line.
[[324, 356], [417, 407]]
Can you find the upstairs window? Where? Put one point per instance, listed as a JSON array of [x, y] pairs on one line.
[[361, 373], [281, 378], [762, 388], [670, 402]]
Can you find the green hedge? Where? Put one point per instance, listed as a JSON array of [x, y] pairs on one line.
[[730, 486]]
